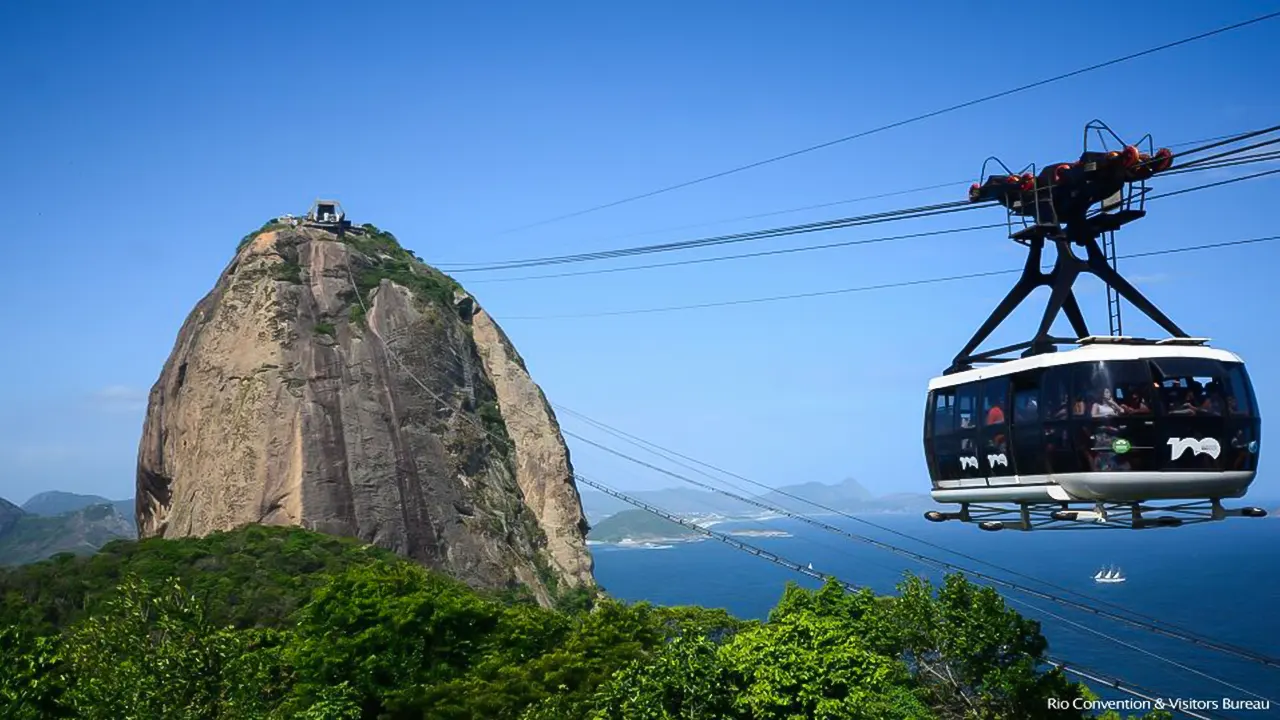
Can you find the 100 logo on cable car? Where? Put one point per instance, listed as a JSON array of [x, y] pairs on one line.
[[992, 460], [1207, 446]]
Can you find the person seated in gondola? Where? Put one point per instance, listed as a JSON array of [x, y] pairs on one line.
[[1060, 408], [1188, 405], [1133, 404], [1233, 406], [1078, 407], [995, 415], [1105, 406], [1213, 403]]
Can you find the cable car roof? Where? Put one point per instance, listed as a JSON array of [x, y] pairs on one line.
[[1094, 349]]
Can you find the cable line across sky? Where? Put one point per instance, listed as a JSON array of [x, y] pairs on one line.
[[907, 121], [1218, 161], [871, 288]]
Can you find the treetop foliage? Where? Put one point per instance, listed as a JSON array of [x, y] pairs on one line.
[[278, 623]]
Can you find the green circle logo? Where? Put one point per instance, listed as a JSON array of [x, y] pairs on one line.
[[1121, 446]]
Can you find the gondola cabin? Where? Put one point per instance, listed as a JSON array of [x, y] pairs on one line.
[[1113, 423], [1109, 422]]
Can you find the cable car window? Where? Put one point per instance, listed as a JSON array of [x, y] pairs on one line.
[[1238, 391], [995, 437], [1117, 432], [967, 407], [1059, 451], [1055, 397], [944, 411], [1190, 386], [1026, 399], [1028, 435], [1129, 384], [995, 395]]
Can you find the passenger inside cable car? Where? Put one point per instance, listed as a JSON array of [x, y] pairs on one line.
[[1166, 414]]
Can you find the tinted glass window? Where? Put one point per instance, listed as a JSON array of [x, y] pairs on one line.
[[944, 411], [1190, 386], [1110, 389], [1056, 395], [967, 406], [1026, 398], [995, 397], [1238, 392]]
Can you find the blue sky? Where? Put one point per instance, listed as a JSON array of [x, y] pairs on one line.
[[142, 141]]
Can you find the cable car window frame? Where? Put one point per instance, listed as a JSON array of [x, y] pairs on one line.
[[1027, 429], [1057, 442], [971, 391], [994, 437], [942, 446], [1238, 384]]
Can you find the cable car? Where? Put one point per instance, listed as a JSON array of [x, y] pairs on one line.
[[1095, 431]]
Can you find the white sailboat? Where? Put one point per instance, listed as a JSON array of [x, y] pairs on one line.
[[1109, 575]]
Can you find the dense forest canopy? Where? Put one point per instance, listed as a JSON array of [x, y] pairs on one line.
[[284, 623]]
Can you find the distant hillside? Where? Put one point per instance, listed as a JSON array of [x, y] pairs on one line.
[[56, 502], [847, 496], [9, 515], [26, 537], [637, 525]]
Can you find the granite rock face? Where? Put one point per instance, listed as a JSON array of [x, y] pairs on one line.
[[335, 382]]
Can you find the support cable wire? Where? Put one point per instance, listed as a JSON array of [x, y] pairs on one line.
[[870, 288], [739, 256], [664, 453], [908, 121], [479, 425], [1144, 651], [911, 213], [926, 560], [1216, 165], [1120, 685], [856, 220], [1232, 137]]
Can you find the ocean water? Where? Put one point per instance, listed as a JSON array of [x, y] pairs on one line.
[[1219, 580]]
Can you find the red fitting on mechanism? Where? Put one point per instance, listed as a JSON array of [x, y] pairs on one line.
[[1163, 160]]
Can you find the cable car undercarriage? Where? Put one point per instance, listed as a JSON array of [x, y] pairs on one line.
[[1134, 467], [1098, 516]]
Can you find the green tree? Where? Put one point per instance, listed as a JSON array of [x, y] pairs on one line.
[[150, 653], [387, 629], [973, 656], [685, 680], [810, 660], [33, 675]]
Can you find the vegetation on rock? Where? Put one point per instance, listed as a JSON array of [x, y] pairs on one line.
[[390, 261], [284, 623]]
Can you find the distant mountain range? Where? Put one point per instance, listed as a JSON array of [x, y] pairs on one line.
[[848, 496], [56, 502], [56, 522]]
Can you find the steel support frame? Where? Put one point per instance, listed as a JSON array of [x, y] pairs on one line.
[[1062, 298]]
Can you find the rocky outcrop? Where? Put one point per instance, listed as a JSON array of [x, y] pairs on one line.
[[339, 384], [543, 470]]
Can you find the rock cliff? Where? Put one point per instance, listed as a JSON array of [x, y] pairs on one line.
[[335, 382]]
